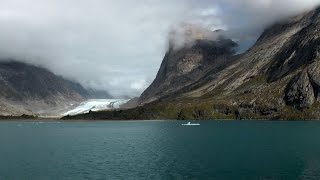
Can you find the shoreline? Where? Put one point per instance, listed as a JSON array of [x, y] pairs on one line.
[[42, 119], [31, 118]]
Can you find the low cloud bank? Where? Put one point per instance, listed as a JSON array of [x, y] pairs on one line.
[[118, 45]]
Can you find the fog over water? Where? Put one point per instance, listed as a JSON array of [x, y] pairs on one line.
[[118, 45]]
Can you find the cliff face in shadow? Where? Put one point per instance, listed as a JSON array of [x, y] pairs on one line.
[[182, 67], [28, 89], [277, 78]]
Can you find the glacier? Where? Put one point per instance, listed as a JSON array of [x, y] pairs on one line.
[[96, 105]]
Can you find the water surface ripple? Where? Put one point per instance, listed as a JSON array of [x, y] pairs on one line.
[[160, 150]]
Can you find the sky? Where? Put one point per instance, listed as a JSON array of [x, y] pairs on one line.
[[118, 45]]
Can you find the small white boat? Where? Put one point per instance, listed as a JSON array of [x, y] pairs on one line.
[[191, 124]]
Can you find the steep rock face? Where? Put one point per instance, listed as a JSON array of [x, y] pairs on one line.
[[264, 71], [183, 67], [21, 82], [254, 64], [304, 88], [314, 75], [29, 89], [301, 50], [299, 92], [282, 68]]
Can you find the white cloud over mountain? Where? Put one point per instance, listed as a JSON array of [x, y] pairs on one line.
[[118, 45]]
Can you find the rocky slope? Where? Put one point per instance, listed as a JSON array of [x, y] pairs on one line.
[[182, 67], [27, 89], [277, 78]]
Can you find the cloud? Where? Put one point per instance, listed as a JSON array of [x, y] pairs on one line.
[[118, 45]]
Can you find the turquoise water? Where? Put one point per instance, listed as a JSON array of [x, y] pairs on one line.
[[160, 150]]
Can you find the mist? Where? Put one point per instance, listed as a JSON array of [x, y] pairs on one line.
[[118, 45]]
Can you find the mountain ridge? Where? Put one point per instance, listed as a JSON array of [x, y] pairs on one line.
[[277, 78], [32, 90]]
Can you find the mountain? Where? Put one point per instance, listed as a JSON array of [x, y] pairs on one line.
[[277, 78], [28, 89], [183, 67]]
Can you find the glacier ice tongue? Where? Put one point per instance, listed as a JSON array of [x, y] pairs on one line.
[[96, 105]]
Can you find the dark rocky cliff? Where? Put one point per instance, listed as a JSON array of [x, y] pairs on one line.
[[182, 67], [21, 81], [28, 89]]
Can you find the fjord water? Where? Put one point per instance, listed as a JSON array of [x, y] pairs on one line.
[[160, 150]]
